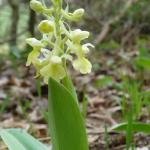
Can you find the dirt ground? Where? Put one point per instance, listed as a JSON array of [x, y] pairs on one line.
[[24, 107]]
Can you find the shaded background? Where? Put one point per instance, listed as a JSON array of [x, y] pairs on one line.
[[120, 31]]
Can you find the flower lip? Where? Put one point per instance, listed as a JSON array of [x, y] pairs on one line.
[[55, 71], [83, 65]]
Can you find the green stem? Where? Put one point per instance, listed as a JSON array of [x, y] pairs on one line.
[[57, 10]]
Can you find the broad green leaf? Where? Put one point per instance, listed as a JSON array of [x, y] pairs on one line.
[[137, 127], [69, 85], [66, 124], [17, 139]]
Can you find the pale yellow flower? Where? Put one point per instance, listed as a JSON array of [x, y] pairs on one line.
[[75, 16], [85, 47], [83, 65], [59, 43], [32, 57], [79, 35], [39, 64], [34, 43], [72, 47], [56, 71], [53, 69]]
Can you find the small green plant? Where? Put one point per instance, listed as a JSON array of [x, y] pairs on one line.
[[59, 45], [132, 110], [141, 63]]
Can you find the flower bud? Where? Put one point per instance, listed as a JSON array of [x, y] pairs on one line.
[[78, 35], [77, 14], [36, 6], [46, 26]]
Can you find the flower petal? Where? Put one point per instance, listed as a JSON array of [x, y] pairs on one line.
[[34, 42], [55, 71], [85, 47], [79, 35], [38, 66], [83, 65], [33, 55]]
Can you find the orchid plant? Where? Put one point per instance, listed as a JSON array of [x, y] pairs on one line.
[[58, 46]]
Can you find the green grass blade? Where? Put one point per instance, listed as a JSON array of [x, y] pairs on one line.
[[129, 129], [17, 139], [84, 106], [143, 62], [137, 127], [66, 124]]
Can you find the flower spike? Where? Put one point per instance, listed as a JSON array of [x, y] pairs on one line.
[[59, 43]]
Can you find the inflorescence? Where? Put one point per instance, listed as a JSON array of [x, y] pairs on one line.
[[59, 43]]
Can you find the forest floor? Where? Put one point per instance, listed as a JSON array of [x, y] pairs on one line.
[[22, 106]]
